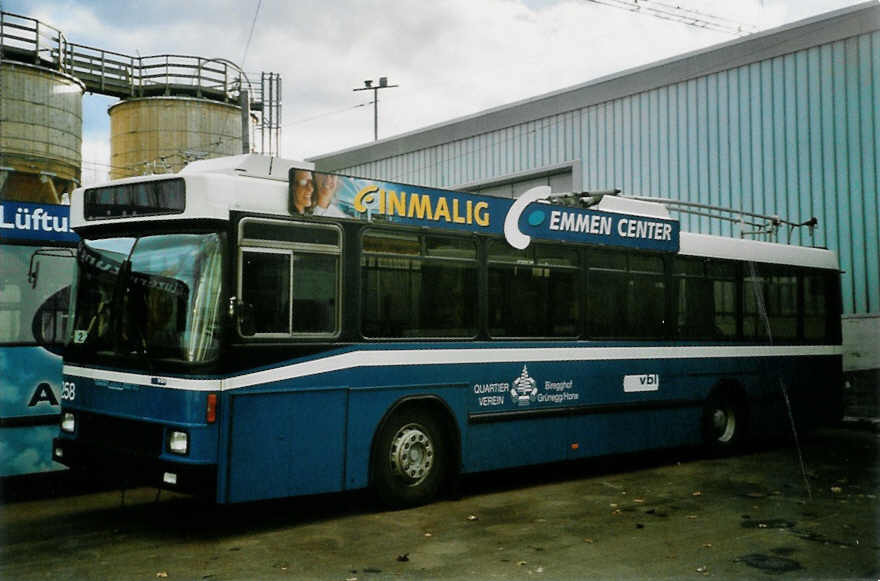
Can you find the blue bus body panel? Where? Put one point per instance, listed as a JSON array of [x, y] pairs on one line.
[[285, 444], [308, 425], [171, 408], [28, 450], [314, 433], [31, 388], [139, 402], [32, 382]]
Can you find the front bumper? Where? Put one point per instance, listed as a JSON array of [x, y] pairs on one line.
[[113, 464]]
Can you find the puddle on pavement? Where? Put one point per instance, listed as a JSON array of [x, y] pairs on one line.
[[770, 564], [773, 523]]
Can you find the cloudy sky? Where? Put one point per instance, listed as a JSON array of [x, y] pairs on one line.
[[450, 57]]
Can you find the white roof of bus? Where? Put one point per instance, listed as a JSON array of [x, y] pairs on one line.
[[249, 164], [738, 249]]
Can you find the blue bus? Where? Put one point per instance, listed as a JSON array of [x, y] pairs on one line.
[[252, 329], [36, 269]]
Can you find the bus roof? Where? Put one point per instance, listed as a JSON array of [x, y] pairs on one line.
[[707, 246], [212, 189]]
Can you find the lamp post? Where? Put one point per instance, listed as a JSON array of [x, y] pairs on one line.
[[369, 86]]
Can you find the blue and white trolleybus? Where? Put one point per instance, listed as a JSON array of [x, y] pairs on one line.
[[36, 269], [255, 329]]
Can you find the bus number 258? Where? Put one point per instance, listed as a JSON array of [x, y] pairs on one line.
[[68, 391]]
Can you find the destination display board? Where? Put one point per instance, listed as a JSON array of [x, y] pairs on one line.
[[37, 222], [529, 216]]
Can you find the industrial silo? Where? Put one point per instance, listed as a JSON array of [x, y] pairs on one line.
[[173, 109], [161, 134], [40, 132]]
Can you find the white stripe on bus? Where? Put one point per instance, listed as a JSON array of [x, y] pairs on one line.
[[391, 358]]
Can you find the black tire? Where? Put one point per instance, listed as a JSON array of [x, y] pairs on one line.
[[410, 459], [724, 422]]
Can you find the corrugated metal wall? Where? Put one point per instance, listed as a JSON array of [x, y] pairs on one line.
[[796, 135]]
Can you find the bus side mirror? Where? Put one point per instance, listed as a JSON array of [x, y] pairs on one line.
[[242, 316], [33, 271]]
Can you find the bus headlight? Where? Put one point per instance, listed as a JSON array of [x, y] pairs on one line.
[[68, 422], [178, 442]]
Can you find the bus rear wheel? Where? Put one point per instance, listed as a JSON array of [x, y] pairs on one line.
[[409, 460], [724, 422]]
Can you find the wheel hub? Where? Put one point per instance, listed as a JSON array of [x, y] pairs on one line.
[[724, 424], [412, 454]]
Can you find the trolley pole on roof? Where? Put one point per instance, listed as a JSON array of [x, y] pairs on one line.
[[245, 102], [369, 86]]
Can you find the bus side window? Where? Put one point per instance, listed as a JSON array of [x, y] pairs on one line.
[[10, 312], [817, 292], [626, 295], [694, 299], [418, 286], [315, 280], [705, 302], [290, 279], [50, 321], [533, 292], [770, 297], [266, 277]]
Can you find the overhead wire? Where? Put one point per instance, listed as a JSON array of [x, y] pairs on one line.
[[326, 114], [679, 14], [247, 45]]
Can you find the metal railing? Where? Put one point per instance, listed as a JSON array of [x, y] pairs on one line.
[[27, 40], [31, 41], [763, 226], [116, 74]]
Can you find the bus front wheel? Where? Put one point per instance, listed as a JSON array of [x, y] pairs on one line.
[[410, 458]]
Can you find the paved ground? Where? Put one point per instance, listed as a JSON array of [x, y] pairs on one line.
[[652, 516]]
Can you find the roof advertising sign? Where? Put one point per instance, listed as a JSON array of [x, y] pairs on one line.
[[529, 216]]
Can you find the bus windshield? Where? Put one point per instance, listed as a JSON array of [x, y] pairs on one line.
[[156, 297]]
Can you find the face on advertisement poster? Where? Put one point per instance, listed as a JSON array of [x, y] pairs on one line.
[[303, 191]]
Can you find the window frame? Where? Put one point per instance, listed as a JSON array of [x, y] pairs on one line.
[[730, 273], [423, 257], [534, 258], [291, 249], [630, 274]]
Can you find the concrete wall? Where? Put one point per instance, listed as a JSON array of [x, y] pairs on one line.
[[861, 342]]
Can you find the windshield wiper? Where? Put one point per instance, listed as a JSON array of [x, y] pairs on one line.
[[125, 320]]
